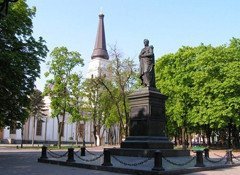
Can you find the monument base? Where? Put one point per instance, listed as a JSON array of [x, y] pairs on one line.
[[145, 146], [147, 142], [147, 129]]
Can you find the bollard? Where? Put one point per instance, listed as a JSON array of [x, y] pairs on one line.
[[199, 159], [229, 157], [44, 153], [70, 155], [206, 152], [83, 149], [107, 158], [158, 161]]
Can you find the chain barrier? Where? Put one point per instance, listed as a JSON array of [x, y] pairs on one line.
[[236, 157], [55, 155], [216, 161], [131, 164], [88, 160], [217, 155], [89, 152], [179, 164], [79, 150]]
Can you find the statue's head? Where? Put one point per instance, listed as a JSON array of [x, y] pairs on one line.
[[146, 42]]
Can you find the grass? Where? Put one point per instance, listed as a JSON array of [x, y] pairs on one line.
[[198, 148]]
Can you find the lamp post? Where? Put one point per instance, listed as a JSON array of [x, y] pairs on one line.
[[4, 7]]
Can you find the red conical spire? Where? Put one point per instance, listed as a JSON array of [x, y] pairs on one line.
[[100, 43]]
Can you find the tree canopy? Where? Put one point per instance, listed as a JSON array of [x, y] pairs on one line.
[[202, 84], [107, 94], [62, 84], [20, 57]]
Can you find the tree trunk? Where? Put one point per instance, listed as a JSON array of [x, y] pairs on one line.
[[189, 140], [114, 135], [83, 135], [229, 134], [95, 135], [76, 135], [60, 130], [22, 137], [235, 133], [59, 139], [33, 132], [184, 138], [126, 113], [127, 124], [102, 138], [175, 140], [208, 135], [203, 138], [120, 133]]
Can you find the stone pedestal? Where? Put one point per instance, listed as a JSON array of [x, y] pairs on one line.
[[147, 121], [147, 127]]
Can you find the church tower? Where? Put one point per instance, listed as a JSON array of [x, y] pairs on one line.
[[99, 59]]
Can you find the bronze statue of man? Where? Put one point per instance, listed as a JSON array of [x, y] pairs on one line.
[[146, 58]]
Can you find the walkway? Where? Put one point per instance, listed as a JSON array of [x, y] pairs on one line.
[[24, 162]]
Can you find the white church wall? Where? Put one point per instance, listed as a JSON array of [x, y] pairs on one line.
[[6, 133], [97, 67]]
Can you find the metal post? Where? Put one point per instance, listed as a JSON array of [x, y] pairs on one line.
[[44, 153], [199, 159], [107, 158], [229, 157], [158, 161], [70, 155], [83, 149], [206, 152]]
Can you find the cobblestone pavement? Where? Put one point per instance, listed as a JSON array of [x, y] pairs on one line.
[[24, 162]]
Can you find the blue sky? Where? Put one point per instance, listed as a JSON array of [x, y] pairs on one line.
[[168, 24]]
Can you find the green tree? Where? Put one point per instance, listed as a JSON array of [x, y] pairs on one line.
[[119, 85], [77, 105], [59, 86], [20, 57], [97, 106], [37, 109], [202, 84], [216, 88], [173, 79]]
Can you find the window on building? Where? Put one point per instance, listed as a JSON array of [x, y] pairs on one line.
[[39, 128], [12, 130], [62, 132]]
